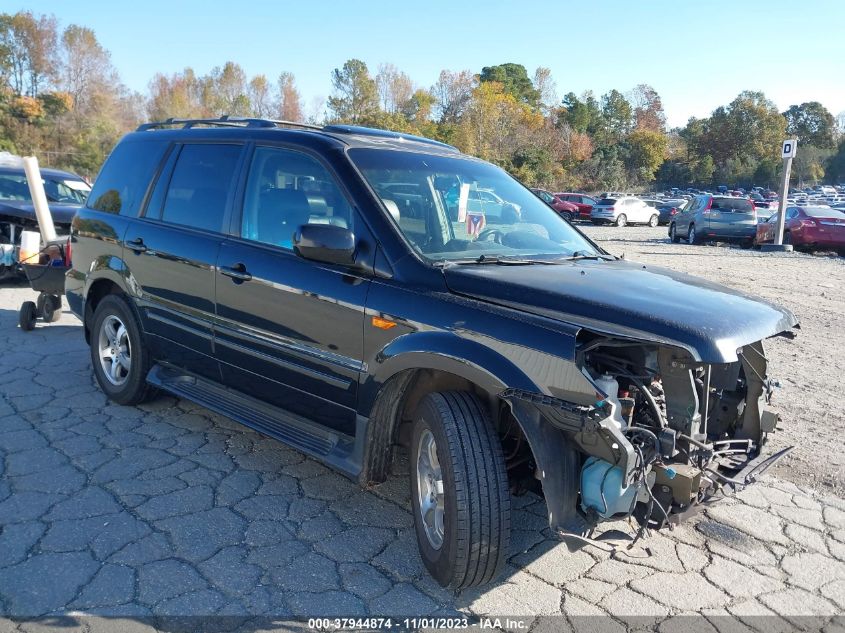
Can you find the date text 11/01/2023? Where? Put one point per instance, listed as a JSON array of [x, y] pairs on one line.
[[375, 623]]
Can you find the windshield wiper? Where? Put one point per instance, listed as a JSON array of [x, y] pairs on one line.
[[577, 255], [505, 260]]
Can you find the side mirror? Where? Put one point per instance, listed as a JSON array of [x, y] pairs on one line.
[[325, 243]]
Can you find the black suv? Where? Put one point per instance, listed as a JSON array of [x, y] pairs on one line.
[[334, 289]]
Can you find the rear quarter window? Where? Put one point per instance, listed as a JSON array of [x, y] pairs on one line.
[[125, 176]]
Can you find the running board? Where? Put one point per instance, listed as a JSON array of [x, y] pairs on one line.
[[334, 449]]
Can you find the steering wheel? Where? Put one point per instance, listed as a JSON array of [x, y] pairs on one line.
[[486, 234]]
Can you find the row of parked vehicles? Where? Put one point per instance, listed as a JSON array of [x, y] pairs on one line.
[[611, 208], [813, 221]]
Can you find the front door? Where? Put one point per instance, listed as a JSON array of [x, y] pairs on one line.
[[290, 331]]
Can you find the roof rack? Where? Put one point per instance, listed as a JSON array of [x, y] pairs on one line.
[[228, 121], [225, 121]]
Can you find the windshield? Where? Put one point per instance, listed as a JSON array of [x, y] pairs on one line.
[[15, 187], [453, 209]]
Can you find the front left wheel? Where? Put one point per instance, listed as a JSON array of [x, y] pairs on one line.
[[118, 355], [459, 490]]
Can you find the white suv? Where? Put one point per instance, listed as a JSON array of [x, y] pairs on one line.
[[624, 210]]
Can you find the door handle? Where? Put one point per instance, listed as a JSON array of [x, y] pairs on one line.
[[137, 245], [237, 272]]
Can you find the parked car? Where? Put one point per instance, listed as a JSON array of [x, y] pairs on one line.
[[716, 217], [807, 227], [584, 203], [760, 202], [65, 193], [567, 210], [669, 209], [335, 312], [622, 211]]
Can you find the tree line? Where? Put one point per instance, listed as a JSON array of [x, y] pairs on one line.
[[62, 99]]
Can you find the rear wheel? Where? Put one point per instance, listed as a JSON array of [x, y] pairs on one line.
[[566, 215], [118, 355], [654, 220], [459, 490], [622, 220], [692, 236]]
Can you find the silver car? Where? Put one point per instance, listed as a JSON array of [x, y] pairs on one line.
[[724, 218]]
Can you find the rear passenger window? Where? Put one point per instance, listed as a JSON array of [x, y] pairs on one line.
[[125, 176], [200, 185], [285, 190]]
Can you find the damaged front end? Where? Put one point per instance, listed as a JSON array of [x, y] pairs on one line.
[[655, 433]]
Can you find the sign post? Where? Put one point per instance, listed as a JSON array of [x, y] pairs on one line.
[[787, 153]]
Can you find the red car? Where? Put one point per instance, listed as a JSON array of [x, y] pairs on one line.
[[584, 203], [567, 210], [810, 227]]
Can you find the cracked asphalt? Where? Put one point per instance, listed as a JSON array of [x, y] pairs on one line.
[[168, 509]]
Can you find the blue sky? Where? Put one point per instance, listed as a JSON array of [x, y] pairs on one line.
[[697, 55]]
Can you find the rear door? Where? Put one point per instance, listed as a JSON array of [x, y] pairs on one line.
[[289, 330], [171, 252]]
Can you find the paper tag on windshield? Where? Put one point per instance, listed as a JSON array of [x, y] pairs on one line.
[[463, 199]]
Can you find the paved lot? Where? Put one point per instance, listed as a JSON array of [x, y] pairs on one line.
[[168, 509]]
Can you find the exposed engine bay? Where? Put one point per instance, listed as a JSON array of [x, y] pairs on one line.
[[665, 433]]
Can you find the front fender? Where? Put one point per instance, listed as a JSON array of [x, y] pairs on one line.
[[447, 352]]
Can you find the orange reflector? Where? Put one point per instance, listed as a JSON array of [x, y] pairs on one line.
[[383, 324]]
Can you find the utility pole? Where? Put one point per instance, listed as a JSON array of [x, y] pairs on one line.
[[787, 153]]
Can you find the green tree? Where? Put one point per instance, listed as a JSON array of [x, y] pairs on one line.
[[835, 168], [582, 115], [355, 92], [617, 114], [514, 80], [812, 124]]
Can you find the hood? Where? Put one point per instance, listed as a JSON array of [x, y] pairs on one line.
[[632, 300], [62, 213]]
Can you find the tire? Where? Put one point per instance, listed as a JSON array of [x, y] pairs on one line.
[[51, 308], [566, 215], [787, 237], [673, 234], [127, 385], [654, 221], [474, 529], [27, 316], [622, 220], [692, 236]]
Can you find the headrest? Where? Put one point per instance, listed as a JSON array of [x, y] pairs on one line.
[[392, 207]]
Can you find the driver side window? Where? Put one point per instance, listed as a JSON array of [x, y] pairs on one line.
[[286, 189]]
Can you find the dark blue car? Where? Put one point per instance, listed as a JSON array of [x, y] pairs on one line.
[[65, 191]]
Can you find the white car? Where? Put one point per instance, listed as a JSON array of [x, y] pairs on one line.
[[624, 210]]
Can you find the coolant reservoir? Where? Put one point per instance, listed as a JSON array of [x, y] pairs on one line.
[[610, 386]]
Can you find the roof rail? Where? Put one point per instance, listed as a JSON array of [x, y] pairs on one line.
[[225, 121], [371, 131]]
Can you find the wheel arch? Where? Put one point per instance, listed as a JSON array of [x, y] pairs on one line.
[[403, 379]]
